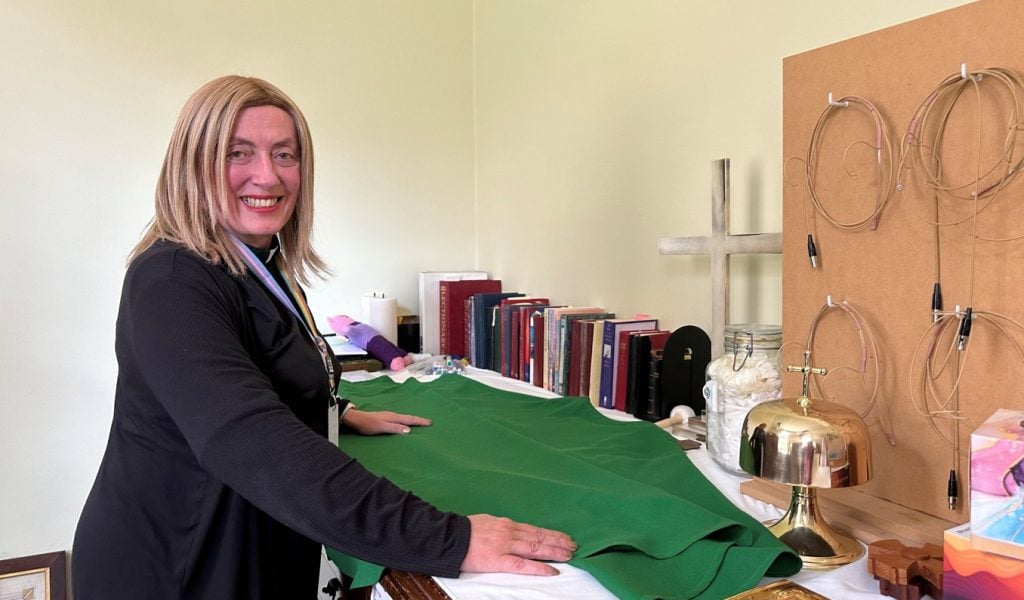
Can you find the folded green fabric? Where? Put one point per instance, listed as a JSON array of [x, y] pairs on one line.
[[648, 524]]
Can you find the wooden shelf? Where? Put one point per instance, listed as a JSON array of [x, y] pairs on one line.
[[866, 517]]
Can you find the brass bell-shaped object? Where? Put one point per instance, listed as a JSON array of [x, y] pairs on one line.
[[808, 445]]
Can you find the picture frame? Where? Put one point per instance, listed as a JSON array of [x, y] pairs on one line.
[[37, 577]]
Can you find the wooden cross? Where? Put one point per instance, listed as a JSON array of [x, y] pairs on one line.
[[720, 245]]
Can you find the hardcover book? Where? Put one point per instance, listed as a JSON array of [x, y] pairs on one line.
[[480, 353], [494, 335], [575, 351], [610, 354], [452, 294], [641, 347], [525, 347], [508, 334], [553, 327], [430, 305], [583, 359], [566, 357], [594, 388], [622, 368], [536, 348], [653, 409], [467, 331], [515, 328]]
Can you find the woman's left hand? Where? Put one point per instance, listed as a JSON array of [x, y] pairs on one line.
[[378, 422]]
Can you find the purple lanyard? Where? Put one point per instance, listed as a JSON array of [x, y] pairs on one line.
[[304, 317]]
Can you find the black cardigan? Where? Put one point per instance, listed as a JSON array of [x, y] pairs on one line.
[[218, 480]]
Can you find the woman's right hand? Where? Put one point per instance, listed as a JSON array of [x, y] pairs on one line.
[[501, 545]]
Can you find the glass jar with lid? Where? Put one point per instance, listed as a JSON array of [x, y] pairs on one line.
[[746, 375]]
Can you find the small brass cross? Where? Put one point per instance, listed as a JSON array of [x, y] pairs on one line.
[[807, 370]]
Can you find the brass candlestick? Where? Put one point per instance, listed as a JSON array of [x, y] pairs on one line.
[[808, 445]]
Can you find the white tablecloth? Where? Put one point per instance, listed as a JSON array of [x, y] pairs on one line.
[[850, 582]]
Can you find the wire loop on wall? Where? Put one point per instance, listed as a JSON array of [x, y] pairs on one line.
[[884, 163]]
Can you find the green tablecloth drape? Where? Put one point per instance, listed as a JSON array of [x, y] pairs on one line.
[[648, 524]]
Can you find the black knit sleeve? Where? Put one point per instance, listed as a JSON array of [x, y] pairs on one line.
[[184, 318]]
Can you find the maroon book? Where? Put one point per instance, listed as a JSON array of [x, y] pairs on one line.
[[508, 334], [453, 324], [575, 352], [622, 367]]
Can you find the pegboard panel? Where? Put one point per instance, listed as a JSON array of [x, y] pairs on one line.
[[887, 272]]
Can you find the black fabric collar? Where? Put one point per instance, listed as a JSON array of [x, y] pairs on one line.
[[266, 255]]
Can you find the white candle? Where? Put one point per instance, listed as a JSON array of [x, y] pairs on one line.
[[381, 313]]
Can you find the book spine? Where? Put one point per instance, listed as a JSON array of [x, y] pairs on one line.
[[537, 348], [524, 359], [500, 363], [595, 364], [467, 330], [548, 340], [511, 344], [632, 373], [586, 345], [445, 318], [506, 342], [494, 346], [480, 337], [640, 351], [607, 351], [514, 342], [565, 353], [653, 408], [560, 355], [621, 371], [572, 382]]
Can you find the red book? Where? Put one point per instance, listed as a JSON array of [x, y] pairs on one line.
[[622, 367], [575, 354], [453, 318], [507, 306]]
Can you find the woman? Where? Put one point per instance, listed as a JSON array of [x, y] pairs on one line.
[[219, 480]]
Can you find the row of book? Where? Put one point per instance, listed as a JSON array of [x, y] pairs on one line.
[[569, 350]]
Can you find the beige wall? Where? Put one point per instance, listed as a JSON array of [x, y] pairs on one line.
[[89, 92], [597, 122], [516, 136]]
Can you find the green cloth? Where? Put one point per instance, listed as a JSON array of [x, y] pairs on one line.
[[648, 524]]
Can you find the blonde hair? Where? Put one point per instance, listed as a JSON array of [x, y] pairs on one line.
[[191, 191]]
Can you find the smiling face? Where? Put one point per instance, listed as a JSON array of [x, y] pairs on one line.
[[263, 175]]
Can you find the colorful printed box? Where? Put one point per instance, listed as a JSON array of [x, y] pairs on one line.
[[969, 574], [997, 484]]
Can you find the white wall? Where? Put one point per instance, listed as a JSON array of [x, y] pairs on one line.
[[598, 121], [586, 110], [89, 92]]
